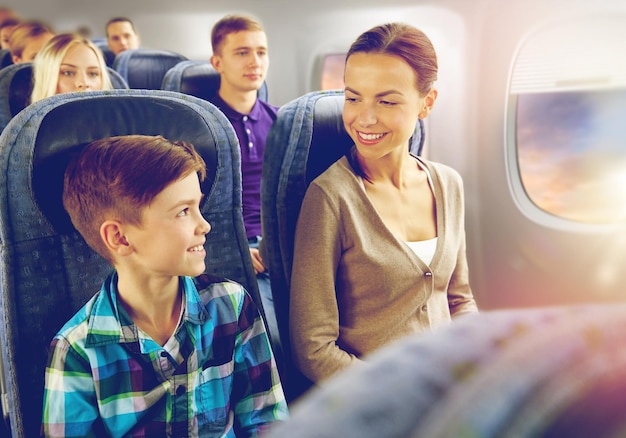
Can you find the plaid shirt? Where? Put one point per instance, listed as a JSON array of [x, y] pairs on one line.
[[104, 377]]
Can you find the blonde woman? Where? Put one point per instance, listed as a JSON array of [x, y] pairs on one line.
[[69, 62]]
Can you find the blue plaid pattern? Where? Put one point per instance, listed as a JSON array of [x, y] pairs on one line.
[[105, 376]]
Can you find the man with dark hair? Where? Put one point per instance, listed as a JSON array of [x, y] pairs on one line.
[[121, 35]]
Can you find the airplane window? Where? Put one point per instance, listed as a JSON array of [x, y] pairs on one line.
[[572, 155], [332, 71], [565, 148]]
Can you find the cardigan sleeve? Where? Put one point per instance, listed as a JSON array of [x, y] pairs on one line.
[[313, 313], [460, 296]]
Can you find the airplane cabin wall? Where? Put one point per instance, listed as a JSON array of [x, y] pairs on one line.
[[523, 262]]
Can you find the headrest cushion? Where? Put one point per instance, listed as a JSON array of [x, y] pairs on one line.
[[66, 129]]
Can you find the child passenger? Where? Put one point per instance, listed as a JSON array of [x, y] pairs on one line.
[[69, 62], [157, 351]]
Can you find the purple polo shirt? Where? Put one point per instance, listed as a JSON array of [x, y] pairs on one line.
[[251, 130]]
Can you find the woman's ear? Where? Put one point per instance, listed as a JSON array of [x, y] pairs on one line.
[[429, 102], [113, 237]]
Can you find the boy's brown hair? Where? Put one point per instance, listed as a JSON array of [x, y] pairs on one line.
[[117, 177]]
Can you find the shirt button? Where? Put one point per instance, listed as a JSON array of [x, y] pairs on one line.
[[164, 354], [248, 131], [250, 145], [428, 274], [181, 390], [424, 308], [245, 118]]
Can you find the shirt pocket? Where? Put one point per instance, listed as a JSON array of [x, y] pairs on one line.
[[213, 393]]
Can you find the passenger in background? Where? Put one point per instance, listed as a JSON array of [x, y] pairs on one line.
[[6, 29], [240, 56], [69, 62], [380, 241], [27, 39], [156, 352], [84, 31], [121, 35], [7, 13]]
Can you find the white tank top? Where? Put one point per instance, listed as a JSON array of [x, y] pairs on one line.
[[424, 249]]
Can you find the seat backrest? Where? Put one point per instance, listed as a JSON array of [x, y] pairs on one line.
[[145, 68], [108, 54], [117, 80], [47, 271], [306, 138], [5, 58], [198, 78], [16, 86], [539, 372]]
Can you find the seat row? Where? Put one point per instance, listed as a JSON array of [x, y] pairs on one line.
[[136, 69], [140, 68]]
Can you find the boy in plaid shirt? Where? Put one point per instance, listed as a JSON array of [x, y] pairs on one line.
[[161, 350]]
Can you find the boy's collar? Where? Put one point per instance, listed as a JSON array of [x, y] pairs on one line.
[[109, 323]]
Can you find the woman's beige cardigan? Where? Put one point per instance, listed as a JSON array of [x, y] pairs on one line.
[[355, 286]]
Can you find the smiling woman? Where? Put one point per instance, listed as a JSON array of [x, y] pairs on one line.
[[379, 248], [69, 63]]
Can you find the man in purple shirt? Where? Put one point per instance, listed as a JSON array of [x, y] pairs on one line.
[[240, 57]]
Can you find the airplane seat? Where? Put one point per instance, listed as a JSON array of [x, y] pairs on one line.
[[145, 68], [306, 138], [117, 80], [536, 372], [5, 58], [103, 45], [47, 271], [199, 79], [16, 86]]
